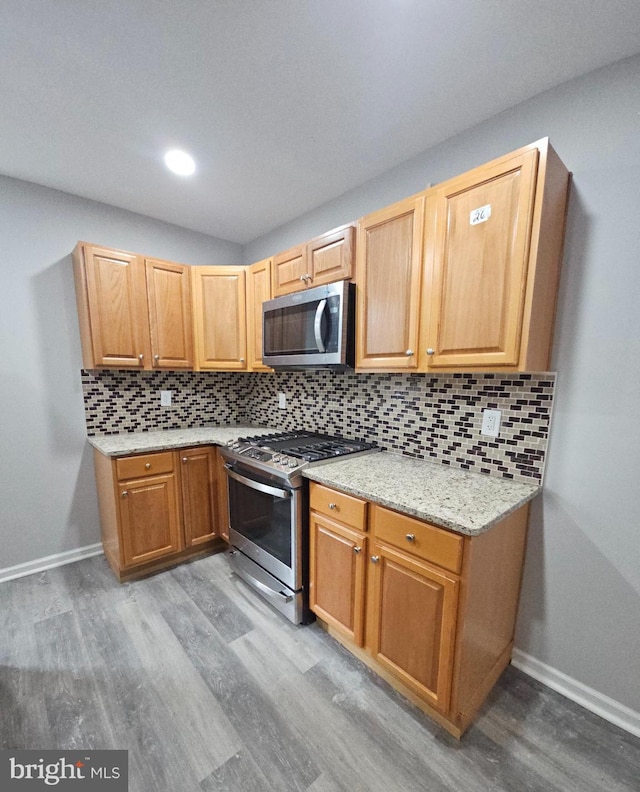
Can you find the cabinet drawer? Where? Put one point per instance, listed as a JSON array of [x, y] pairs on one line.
[[440, 547], [144, 465], [344, 508]]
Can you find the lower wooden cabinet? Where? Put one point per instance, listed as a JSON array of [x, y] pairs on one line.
[[412, 622], [337, 561], [157, 509], [430, 610]]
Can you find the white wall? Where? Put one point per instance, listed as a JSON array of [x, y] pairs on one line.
[[47, 490], [580, 609]]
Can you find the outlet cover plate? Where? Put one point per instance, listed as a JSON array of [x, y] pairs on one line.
[[491, 422], [165, 398]]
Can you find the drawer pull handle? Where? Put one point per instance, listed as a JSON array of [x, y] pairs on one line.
[[375, 559], [147, 466], [357, 550], [333, 506], [410, 537]]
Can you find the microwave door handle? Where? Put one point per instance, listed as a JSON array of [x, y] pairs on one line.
[[317, 325], [257, 485]]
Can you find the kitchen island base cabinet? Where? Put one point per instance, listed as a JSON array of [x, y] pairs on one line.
[[156, 509], [439, 608]]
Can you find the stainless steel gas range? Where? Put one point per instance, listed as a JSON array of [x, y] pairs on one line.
[[268, 511]]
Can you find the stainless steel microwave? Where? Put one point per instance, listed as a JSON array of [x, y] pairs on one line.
[[314, 328]]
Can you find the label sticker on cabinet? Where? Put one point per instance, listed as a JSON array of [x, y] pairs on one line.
[[480, 215]]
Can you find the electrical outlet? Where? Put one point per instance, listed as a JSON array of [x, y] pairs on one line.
[[282, 401], [491, 422], [165, 398]]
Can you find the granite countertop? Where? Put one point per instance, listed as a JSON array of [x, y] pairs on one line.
[[468, 503], [164, 439]]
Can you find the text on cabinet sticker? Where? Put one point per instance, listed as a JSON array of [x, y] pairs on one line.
[[480, 215]]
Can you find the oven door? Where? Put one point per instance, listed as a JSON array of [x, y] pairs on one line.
[[265, 521]]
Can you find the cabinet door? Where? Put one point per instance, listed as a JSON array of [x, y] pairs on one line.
[[169, 294], [289, 271], [223, 496], [337, 576], [220, 317], [149, 518], [258, 290], [476, 265], [331, 256], [412, 621], [117, 300], [198, 474], [388, 270]]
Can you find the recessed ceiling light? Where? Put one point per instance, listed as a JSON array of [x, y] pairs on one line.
[[179, 162]]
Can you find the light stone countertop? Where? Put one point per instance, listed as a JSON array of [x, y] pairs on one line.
[[165, 439], [468, 503]]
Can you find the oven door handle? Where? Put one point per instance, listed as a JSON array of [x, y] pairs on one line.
[[257, 485]]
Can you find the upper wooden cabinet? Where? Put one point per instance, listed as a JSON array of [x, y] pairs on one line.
[[258, 291], [133, 312], [325, 259], [170, 322], [112, 308], [219, 305], [493, 248], [388, 271]]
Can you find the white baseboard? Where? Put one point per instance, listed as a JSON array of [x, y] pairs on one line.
[[587, 697], [48, 562]]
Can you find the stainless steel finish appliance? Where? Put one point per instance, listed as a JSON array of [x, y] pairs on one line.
[[314, 328], [268, 511]]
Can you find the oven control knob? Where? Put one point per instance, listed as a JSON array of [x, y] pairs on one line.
[[276, 457], [292, 463]]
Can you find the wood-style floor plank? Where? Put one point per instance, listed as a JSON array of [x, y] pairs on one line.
[[209, 688]]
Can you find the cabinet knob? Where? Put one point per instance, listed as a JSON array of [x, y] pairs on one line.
[[375, 559], [242, 360], [141, 358], [357, 549], [302, 278], [333, 506], [410, 537], [156, 359], [185, 459], [430, 351], [409, 353], [147, 466], [124, 493]]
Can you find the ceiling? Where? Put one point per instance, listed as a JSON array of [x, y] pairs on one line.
[[284, 104]]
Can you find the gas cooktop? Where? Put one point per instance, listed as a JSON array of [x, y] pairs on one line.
[[288, 453]]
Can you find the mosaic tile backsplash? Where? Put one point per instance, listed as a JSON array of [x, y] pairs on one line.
[[129, 401], [433, 417]]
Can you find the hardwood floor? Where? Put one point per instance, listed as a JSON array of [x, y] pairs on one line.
[[210, 689]]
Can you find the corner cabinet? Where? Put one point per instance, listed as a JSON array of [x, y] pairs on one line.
[[219, 305], [157, 509], [133, 312], [258, 291], [433, 612]]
